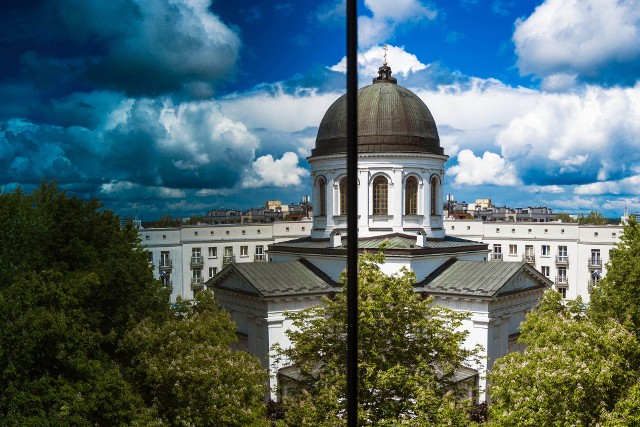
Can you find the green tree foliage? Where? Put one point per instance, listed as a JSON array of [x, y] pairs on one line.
[[574, 371], [594, 217], [74, 287], [565, 217], [187, 371], [617, 295], [408, 352]]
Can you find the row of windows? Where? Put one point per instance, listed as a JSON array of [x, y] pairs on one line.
[[380, 187]]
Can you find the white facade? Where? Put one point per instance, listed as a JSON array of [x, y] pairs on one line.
[[571, 255], [394, 216], [186, 257]]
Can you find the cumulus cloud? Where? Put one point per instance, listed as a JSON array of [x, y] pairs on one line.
[[553, 189], [625, 186], [387, 16], [269, 172], [402, 62], [590, 40], [143, 48], [488, 169]]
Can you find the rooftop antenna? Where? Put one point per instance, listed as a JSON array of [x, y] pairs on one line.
[[385, 48]]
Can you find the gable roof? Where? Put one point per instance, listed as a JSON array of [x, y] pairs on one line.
[[483, 279], [272, 279]]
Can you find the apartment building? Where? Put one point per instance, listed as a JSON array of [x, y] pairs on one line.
[[573, 256], [184, 258]]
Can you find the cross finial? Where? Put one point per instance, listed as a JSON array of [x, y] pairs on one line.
[[384, 47]]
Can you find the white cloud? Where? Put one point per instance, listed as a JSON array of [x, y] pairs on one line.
[[589, 38], [387, 16], [553, 189], [401, 62], [278, 110], [125, 190], [575, 203], [488, 169], [269, 172], [629, 185]]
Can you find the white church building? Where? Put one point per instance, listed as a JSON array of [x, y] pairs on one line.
[[400, 190]]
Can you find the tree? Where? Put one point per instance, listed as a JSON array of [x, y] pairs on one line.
[[565, 217], [187, 371], [408, 353], [594, 217], [74, 287], [574, 371], [617, 295]]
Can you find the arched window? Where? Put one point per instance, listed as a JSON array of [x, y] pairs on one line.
[[322, 196], [434, 195], [343, 196], [411, 196], [380, 196]]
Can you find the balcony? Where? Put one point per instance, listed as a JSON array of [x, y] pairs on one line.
[[562, 281], [495, 256], [595, 263], [197, 262], [165, 264], [260, 257], [592, 284], [197, 282], [562, 260], [228, 259], [529, 258]]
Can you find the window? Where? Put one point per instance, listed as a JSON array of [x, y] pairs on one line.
[[286, 229], [244, 232], [453, 227], [259, 256], [546, 231], [322, 196], [497, 230], [212, 232], [227, 232], [165, 277], [228, 255], [595, 234], [146, 237], [529, 254], [562, 275], [244, 251], [468, 227], [258, 231], [595, 260], [164, 237], [563, 292], [562, 231], [213, 271], [380, 195], [497, 252], [213, 252], [196, 277], [513, 250], [302, 228], [434, 195], [546, 270], [562, 253], [343, 196], [613, 234], [513, 231], [546, 250], [529, 231], [150, 257], [165, 261], [411, 196], [195, 233]]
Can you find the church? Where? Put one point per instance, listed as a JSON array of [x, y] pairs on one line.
[[400, 192]]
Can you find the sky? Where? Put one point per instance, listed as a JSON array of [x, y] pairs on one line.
[[176, 107]]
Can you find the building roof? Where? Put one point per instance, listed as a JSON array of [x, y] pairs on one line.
[[483, 279], [400, 244], [271, 279], [391, 118]]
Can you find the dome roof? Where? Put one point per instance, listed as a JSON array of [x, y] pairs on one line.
[[391, 119]]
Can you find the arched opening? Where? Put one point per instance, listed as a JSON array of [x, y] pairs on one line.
[[343, 196], [411, 196], [434, 195], [322, 196], [380, 196]]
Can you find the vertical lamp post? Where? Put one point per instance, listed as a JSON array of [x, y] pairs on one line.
[[352, 214]]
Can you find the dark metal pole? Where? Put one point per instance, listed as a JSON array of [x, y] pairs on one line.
[[352, 214]]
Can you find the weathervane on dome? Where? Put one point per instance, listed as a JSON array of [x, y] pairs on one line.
[[384, 47]]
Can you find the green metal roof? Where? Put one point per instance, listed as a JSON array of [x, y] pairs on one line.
[[480, 278], [270, 279]]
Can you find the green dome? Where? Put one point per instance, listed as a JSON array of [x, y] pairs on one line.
[[391, 119]]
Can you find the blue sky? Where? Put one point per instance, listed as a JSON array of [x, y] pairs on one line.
[[179, 106]]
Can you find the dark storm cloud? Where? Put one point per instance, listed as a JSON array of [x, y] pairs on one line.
[[142, 48]]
